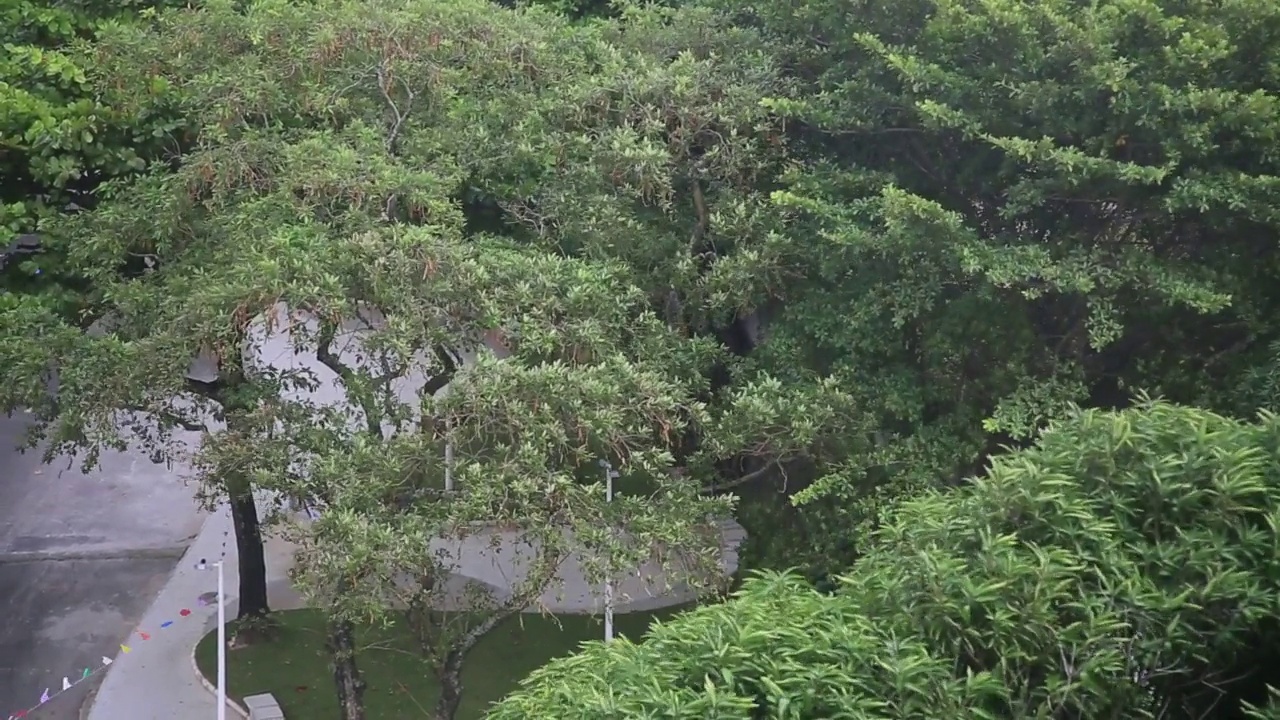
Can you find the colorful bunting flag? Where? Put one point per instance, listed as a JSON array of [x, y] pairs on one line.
[[67, 684]]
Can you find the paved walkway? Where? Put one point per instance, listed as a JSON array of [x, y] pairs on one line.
[[155, 680]]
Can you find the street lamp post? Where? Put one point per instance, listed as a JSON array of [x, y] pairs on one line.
[[448, 466], [609, 475], [222, 637]]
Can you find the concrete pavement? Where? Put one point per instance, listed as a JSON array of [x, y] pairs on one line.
[[156, 679], [81, 557]]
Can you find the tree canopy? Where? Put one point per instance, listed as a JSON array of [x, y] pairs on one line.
[[824, 262], [320, 187]]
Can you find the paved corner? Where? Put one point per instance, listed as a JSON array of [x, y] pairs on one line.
[[157, 680], [81, 558]]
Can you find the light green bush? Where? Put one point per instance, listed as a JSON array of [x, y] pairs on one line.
[[1125, 566]]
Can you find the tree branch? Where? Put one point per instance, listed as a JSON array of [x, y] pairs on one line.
[[324, 353], [547, 564], [702, 220], [749, 477], [398, 116], [445, 376], [326, 356]]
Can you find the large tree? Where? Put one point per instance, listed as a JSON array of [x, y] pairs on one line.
[[323, 182], [1098, 176], [668, 158], [964, 215], [526, 438]]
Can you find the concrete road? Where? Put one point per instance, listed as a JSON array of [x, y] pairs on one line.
[[81, 559]]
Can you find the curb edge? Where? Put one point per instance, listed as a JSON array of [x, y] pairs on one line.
[[208, 686]]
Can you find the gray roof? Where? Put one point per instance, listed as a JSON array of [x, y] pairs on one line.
[[24, 244]]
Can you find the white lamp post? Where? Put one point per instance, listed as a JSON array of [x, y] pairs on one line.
[[222, 638], [609, 475], [448, 466]]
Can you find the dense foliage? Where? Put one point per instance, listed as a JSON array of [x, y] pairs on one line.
[[826, 257], [866, 191], [1099, 177], [59, 138], [1125, 566]]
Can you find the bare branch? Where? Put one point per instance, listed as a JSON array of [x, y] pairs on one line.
[[398, 116], [445, 376], [544, 570], [326, 356], [749, 477]]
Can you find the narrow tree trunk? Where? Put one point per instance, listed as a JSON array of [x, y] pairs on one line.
[[450, 671], [250, 554], [450, 686], [346, 674]]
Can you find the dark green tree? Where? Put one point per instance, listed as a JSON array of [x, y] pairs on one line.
[[963, 216]]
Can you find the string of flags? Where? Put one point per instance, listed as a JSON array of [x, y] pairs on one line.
[[67, 682], [125, 648]]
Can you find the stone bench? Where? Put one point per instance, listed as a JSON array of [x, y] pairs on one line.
[[263, 707]]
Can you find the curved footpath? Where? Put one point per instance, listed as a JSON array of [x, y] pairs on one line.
[[156, 678]]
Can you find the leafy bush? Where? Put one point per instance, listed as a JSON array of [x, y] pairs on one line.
[[60, 139], [1124, 566], [62, 135]]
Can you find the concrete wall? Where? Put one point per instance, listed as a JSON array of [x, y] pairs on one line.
[[500, 560], [280, 341]]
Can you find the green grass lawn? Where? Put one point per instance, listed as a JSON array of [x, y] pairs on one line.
[[294, 667]]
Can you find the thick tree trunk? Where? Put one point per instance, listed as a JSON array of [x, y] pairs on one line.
[[450, 686], [229, 391], [346, 674], [251, 557]]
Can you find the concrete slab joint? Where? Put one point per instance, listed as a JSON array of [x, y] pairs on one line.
[[263, 707]]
